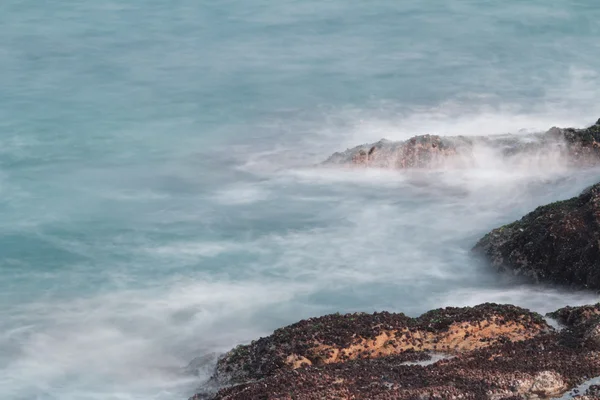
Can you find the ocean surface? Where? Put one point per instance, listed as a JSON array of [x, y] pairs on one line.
[[158, 191]]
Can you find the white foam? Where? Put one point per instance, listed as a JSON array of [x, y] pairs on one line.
[[435, 357], [241, 194], [134, 342], [195, 250]]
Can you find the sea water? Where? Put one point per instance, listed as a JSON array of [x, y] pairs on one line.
[[160, 200]]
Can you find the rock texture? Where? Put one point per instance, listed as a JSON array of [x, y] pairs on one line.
[[557, 243], [536, 368], [576, 316], [426, 151], [497, 352], [577, 146], [583, 322], [593, 392], [339, 338]]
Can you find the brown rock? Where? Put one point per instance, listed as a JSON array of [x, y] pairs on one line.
[[515, 356], [541, 367], [336, 339], [576, 316], [577, 146]]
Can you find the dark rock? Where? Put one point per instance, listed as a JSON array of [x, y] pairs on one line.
[[583, 322], [576, 316], [593, 390], [339, 339], [557, 243], [545, 365]]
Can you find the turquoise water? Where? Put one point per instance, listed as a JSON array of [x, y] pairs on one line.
[[158, 195]]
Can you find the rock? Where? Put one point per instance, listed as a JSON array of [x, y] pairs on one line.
[[339, 338], [583, 322], [592, 333], [338, 345], [527, 360], [557, 243], [593, 390], [424, 151], [546, 384], [578, 146], [576, 316]]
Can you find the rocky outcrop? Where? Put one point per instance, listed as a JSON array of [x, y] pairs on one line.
[[583, 144], [339, 338], [426, 151], [557, 243], [583, 322], [535, 369], [497, 352], [577, 146], [576, 316]]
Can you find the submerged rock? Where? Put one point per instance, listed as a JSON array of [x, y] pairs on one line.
[[499, 352], [557, 243], [577, 146], [593, 392]]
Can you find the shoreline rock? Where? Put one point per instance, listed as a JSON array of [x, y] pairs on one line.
[[542, 367], [557, 243], [498, 352], [576, 316], [526, 359], [579, 147], [339, 338]]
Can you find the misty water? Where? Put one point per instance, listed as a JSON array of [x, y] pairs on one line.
[[160, 194]]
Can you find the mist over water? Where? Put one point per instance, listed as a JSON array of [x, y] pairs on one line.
[[160, 196]]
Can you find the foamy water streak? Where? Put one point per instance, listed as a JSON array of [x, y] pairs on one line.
[[128, 341]]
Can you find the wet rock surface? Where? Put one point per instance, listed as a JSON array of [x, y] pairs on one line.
[[557, 243], [499, 352], [576, 316], [339, 338], [496, 372], [577, 146], [593, 390]]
